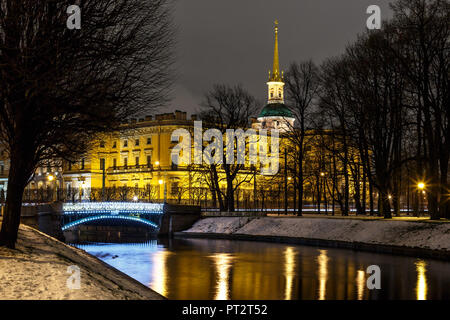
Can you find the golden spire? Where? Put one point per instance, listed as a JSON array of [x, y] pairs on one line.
[[276, 76]]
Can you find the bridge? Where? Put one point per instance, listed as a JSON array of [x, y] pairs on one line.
[[147, 214]]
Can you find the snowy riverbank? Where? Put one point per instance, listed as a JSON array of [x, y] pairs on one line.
[[422, 235], [37, 269]]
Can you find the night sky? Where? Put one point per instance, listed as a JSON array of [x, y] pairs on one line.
[[231, 41]]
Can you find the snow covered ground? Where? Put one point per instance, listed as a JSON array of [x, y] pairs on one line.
[[429, 235], [38, 269]]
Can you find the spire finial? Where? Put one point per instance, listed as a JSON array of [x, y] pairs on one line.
[[276, 64]]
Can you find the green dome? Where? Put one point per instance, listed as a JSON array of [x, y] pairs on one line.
[[275, 110]]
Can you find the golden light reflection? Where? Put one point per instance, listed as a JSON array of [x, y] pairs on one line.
[[421, 287], [360, 284], [223, 262], [322, 260], [289, 267], [159, 283]]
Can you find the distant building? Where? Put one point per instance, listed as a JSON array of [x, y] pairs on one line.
[[134, 163]]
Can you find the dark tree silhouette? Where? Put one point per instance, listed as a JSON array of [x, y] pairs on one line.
[[303, 87], [60, 87], [228, 108]]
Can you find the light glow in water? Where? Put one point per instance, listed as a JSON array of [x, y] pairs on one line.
[[223, 263], [289, 267], [322, 260], [360, 284], [421, 287]]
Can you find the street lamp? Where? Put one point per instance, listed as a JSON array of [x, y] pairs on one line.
[[50, 177], [161, 181], [421, 187], [135, 198]]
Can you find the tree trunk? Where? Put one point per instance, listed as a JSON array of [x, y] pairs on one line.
[[11, 219], [300, 186]]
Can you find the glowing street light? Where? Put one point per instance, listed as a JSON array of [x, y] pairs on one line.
[[421, 185], [135, 198], [156, 163], [322, 174], [161, 181], [50, 177]]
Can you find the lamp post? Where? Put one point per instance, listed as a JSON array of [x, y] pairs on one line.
[[285, 183], [161, 181], [323, 189], [421, 187], [50, 178]]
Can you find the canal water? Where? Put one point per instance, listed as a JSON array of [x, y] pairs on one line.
[[229, 269]]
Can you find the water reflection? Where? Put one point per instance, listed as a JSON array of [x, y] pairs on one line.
[[223, 264], [421, 288], [241, 270], [289, 267], [159, 274], [322, 260], [360, 283]]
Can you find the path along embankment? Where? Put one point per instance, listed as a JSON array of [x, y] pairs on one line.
[[424, 239], [38, 269]]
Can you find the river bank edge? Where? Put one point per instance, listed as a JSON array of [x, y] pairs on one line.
[[262, 229], [99, 280]]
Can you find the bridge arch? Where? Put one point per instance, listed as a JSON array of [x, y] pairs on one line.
[[105, 217]]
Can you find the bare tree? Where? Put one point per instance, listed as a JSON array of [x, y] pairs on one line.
[[229, 108], [422, 49], [59, 87], [303, 85]]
